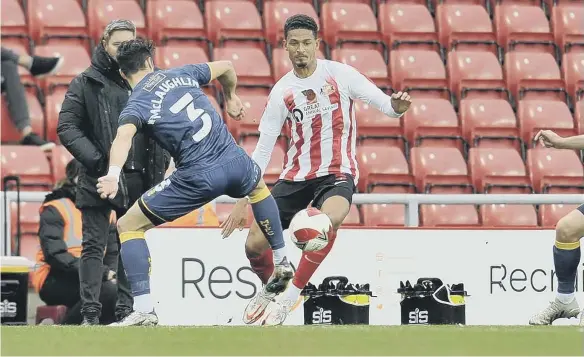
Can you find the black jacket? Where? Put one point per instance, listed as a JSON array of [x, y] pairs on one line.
[[87, 126], [54, 247]]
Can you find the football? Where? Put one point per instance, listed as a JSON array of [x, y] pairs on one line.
[[309, 229]]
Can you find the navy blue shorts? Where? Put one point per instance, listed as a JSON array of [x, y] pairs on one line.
[[186, 190], [581, 208]]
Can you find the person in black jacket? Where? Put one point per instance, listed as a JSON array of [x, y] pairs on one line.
[[56, 277], [87, 126]]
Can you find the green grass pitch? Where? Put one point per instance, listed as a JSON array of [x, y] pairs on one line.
[[302, 340]]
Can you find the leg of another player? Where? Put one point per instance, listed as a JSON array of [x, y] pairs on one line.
[[566, 252], [265, 234], [337, 208], [136, 258]]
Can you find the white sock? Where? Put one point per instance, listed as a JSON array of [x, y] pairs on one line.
[[565, 298], [293, 292], [279, 254], [143, 303]]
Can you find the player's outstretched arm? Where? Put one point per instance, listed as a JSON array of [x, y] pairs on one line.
[[550, 139], [360, 87], [107, 186], [224, 72]]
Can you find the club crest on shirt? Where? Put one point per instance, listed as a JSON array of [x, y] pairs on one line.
[[327, 89]]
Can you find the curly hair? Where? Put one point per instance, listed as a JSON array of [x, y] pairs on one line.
[[300, 21]]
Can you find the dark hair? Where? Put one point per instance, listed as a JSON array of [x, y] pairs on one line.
[[300, 21], [132, 55]]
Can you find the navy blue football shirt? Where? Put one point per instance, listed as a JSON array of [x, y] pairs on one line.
[[172, 107]]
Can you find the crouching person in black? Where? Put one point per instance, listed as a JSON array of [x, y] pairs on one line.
[[56, 277]]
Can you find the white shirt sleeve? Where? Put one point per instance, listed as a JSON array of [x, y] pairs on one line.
[[270, 128], [360, 87]]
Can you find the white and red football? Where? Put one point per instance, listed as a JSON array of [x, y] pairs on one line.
[[309, 229]]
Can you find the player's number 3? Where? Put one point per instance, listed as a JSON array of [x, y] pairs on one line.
[[186, 101]]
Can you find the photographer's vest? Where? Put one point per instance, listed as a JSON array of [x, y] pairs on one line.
[[72, 235]]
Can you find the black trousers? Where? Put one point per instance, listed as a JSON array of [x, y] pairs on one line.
[[64, 290], [96, 230]]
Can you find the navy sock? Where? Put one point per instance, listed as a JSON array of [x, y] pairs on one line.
[[566, 260], [136, 258], [267, 215]]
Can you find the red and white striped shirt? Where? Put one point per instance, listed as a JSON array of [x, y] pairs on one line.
[[322, 119]]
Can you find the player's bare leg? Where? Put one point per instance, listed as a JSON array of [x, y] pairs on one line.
[[267, 233], [136, 258], [569, 230], [337, 208]]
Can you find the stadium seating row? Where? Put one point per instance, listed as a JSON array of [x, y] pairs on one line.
[[225, 20], [430, 169]]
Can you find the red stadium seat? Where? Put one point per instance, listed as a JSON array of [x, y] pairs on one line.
[[75, 60], [573, 70], [353, 217], [474, 69], [555, 171], [367, 61], [525, 22], [439, 170], [498, 170], [535, 115], [416, 68], [13, 22], [380, 165], [177, 55], [508, 216], [549, 215], [175, 20], [46, 22], [277, 12], [401, 21], [29, 163], [567, 20], [432, 121], [9, 132], [463, 22], [101, 12], [373, 124], [384, 215], [254, 104], [525, 69], [348, 22], [232, 20], [250, 63], [29, 217], [60, 157], [489, 122], [448, 215], [281, 62], [53, 103]]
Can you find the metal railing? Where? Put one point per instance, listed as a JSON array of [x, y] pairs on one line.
[[411, 202]]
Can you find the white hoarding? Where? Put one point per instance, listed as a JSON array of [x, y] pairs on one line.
[[200, 279]]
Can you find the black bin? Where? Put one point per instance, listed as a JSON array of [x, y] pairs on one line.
[[336, 302], [14, 291], [430, 302]]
